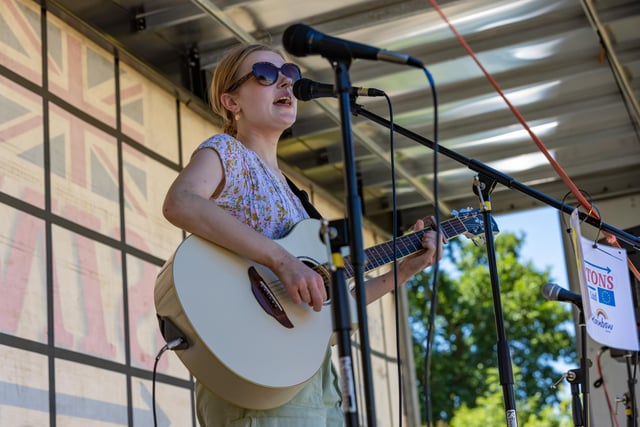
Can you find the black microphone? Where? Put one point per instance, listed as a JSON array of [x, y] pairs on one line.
[[553, 292], [306, 90], [302, 40]]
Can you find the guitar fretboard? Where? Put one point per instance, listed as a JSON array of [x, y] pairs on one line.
[[382, 254]]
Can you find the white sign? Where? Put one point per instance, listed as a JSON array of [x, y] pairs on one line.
[[606, 291]]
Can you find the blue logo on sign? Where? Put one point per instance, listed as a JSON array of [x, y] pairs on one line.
[[606, 297]]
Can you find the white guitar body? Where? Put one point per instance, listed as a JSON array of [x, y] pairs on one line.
[[247, 341], [235, 348]]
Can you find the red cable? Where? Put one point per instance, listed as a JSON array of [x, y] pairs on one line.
[[606, 392], [554, 164]]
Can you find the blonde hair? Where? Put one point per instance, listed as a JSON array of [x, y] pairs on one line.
[[224, 75]]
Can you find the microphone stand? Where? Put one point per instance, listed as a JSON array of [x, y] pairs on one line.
[[488, 178], [354, 213], [579, 379], [584, 369], [483, 186]]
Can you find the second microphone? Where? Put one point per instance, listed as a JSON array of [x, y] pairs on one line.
[[306, 90]]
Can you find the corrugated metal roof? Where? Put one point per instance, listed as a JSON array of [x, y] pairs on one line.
[[570, 67]]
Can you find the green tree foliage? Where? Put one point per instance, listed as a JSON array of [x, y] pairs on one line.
[[464, 375], [489, 411]]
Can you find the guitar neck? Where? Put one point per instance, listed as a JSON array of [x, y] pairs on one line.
[[382, 254]]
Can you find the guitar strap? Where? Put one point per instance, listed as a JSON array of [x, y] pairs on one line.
[[304, 198]]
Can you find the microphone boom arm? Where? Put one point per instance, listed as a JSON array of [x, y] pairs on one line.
[[506, 180]]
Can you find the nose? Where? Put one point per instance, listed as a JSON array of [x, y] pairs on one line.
[[284, 81]]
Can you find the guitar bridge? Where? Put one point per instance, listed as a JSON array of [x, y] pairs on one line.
[[267, 299]]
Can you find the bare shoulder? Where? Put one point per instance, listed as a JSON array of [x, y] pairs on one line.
[[203, 175], [205, 156]]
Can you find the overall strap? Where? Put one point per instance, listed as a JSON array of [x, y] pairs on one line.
[[304, 198]]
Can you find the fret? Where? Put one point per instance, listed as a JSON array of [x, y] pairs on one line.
[[449, 229], [374, 256], [403, 248], [348, 268]]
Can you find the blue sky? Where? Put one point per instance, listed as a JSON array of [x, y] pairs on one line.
[[543, 247], [542, 242]]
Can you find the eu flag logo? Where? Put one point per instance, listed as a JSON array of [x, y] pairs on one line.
[[606, 297]]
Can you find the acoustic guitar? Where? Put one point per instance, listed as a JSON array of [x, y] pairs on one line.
[[246, 340]]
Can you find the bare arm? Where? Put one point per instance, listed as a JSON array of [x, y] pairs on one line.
[[377, 287], [188, 205]]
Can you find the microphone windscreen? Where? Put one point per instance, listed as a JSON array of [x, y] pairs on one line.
[[549, 291], [295, 39], [302, 89]]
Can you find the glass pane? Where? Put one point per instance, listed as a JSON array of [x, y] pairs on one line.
[[145, 337], [20, 41], [90, 397], [87, 296], [80, 72], [194, 129], [84, 173], [146, 182], [24, 389], [21, 143], [148, 113], [23, 278], [173, 404]]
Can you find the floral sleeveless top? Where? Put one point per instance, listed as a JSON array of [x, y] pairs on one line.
[[252, 192]]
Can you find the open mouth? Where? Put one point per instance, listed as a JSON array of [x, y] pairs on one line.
[[284, 100]]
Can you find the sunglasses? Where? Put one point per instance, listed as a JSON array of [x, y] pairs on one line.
[[267, 74]]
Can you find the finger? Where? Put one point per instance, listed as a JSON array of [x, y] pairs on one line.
[[428, 240], [431, 246], [295, 296], [316, 299], [322, 289], [304, 294]]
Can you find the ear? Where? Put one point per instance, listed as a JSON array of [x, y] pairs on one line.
[[229, 102]]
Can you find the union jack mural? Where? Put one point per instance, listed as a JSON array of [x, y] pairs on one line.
[[73, 296]]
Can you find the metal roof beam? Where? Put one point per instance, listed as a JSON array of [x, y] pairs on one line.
[[166, 17], [223, 19]]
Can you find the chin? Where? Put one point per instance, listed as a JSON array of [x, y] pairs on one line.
[[289, 121]]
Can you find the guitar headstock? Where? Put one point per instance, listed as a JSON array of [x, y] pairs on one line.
[[473, 224]]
